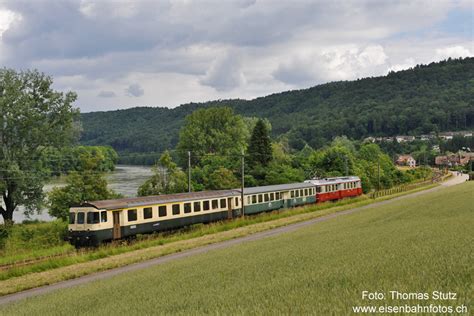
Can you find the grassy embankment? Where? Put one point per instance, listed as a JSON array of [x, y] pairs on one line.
[[418, 244], [58, 269]]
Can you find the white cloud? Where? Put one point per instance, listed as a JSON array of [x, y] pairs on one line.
[[310, 67], [225, 73], [407, 63], [453, 52], [7, 17]]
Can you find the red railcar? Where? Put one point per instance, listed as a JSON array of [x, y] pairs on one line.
[[330, 189]]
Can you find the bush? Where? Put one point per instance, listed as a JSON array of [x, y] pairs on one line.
[[4, 233], [39, 235]]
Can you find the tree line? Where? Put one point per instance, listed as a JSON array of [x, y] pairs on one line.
[[423, 99], [214, 140]]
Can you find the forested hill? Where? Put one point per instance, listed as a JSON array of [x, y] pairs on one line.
[[434, 97]]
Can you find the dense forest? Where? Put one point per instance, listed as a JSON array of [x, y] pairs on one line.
[[427, 98]]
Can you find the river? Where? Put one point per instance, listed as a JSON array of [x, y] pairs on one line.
[[125, 180]]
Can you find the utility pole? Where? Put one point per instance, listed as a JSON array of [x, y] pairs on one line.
[[242, 185], [189, 171], [378, 172], [346, 169]]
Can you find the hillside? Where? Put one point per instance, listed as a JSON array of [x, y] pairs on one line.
[[434, 97]]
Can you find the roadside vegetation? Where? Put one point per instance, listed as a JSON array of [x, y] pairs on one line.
[[416, 244]]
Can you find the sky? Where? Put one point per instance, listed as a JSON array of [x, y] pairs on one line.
[[122, 54]]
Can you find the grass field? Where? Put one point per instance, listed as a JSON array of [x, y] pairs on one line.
[[420, 244]]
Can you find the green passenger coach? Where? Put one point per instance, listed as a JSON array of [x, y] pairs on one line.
[[274, 197]]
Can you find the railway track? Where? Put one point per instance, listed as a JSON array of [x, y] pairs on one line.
[[29, 262], [75, 252]]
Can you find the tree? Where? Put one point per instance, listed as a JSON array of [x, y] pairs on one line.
[[260, 146], [215, 130], [222, 178], [167, 178], [32, 117], [87, 185], [332, 162]]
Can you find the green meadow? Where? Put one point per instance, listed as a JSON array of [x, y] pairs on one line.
[[418, 244]]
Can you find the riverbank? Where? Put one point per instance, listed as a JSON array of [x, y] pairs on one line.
[[125, 179]]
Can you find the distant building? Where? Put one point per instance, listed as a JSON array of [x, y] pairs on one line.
[[406, 160], [404, 139], [452, 160]]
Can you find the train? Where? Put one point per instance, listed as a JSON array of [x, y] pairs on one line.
[[95, 222]]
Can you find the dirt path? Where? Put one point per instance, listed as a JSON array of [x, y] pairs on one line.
[[161, 260]]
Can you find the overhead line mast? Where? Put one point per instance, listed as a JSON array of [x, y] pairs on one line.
[[242, 185]]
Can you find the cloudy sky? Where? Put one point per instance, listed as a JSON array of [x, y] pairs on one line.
[[120, 54]]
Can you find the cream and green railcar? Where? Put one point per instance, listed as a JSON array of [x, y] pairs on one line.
[[94, 222]]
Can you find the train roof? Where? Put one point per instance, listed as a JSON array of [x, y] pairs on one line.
[[333, 180], [278, 187], [158, 199]]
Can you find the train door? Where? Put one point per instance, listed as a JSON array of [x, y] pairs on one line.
[[229, 208], [286, 199], [117, 233]]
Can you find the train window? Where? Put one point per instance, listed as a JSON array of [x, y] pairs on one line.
[[223, 203], [278, 196], [132, 215], [205, 206], [162, 211], [103, 217], [260, 198], [248, 200], [267, 198], [272, 196], [297, 193], [215, 204], [80, 218], [254, 199], [72, 217], [301, 192], [306, 192], [236, 202], [197, 207], [318, 189], [147, 213], [93, 217], [187, 207], [176, 209], [292, 194]]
